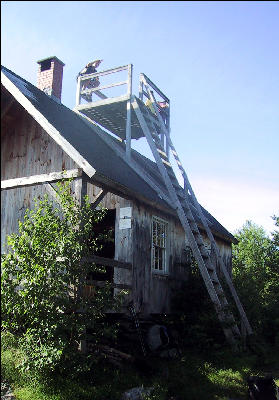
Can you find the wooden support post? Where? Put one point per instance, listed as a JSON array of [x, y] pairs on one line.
[[167, 148], [129, 110], [98, 198], [80, 192], [78, 92], [141, 90], [50, 189]]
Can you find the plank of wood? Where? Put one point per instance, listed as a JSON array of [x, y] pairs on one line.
[[39, 179], [104, 87], [105, 101], [106, 72], [50, 189], [98, 198], [108, 262], [78, 91]]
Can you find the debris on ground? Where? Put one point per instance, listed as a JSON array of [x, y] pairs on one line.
[[6, 392], [137, 393]]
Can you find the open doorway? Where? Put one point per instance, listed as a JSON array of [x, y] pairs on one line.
[[106, 228]]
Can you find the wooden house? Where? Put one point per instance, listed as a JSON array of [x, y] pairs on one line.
[[41, 138]]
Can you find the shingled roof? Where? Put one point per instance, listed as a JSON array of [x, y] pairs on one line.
[[97, 152]]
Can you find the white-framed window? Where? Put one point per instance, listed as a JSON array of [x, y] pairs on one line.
[[159, 245]]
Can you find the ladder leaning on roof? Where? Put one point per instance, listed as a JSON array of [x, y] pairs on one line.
[[151, 125], [182, 204]]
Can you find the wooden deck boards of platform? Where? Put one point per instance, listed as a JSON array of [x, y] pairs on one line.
[[111, 113]]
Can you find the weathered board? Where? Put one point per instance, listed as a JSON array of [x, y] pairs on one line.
[[26, 150]]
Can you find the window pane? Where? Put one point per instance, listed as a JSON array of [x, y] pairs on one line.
[[159, 231]]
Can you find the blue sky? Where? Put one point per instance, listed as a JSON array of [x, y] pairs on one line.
[[218, 62]]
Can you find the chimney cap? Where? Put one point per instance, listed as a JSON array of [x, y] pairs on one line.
[[50, 58]]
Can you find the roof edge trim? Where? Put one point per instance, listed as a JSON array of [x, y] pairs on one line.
[[47, 126]]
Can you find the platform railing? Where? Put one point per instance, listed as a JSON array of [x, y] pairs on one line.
[[97, 90], [145, 87], [88, 92]]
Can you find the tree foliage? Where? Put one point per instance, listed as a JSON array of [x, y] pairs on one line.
[[256, 276], [42, 282]]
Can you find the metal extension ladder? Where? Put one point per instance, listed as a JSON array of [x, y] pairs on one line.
[[184, 200]]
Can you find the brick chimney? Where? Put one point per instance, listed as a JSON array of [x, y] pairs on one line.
[[50, 76]]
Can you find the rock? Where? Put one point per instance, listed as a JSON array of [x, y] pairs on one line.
[[136, 393]]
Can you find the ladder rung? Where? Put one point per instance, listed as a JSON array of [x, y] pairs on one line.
[[159, 147], [152, 128], [167, 163], [163, 154]]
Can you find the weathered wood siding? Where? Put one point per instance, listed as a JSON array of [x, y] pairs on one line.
[[26, 149], [153, 291]]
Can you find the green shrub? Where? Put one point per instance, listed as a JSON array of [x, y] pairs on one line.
[[256, 278], [42, 282]]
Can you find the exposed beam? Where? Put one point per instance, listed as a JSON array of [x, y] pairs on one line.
[[39, 179], [98, 198], [109, 262], [50, 189]]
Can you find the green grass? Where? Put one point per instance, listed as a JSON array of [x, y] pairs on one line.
[[215, 375]]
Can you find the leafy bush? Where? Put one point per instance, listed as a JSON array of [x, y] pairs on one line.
[[256, 277], [42, 282]]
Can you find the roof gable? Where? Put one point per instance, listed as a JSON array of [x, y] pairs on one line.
[[94, 150]]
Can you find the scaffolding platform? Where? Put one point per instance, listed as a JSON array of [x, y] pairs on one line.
[[112, 112]]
